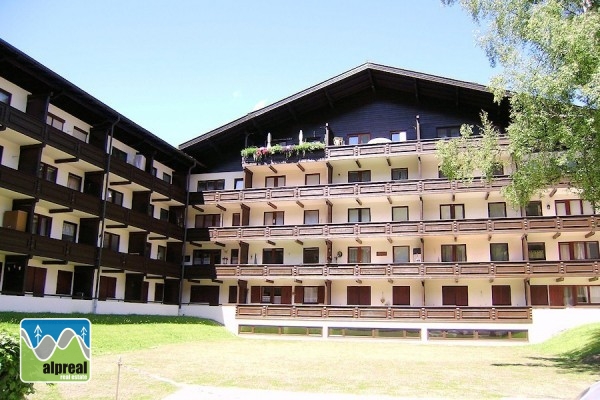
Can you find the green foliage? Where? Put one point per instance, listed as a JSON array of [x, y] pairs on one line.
[[11, 387], [249, 151], [304, 147], [550, 54], [300, 149]]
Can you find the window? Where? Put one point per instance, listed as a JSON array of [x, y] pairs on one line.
[[273, 256], [359, 215], [74, 182], [454, 253], [533, 209], [578, 250], [151, 210], [274, 218], [164, 214], [499, 251], [275, 294], [159, 289], [398, 136], [35, 280], [238, 183], [359, 138], [497, 210], [452, 211], [311, 217], [63, 282], [310, 255], [206, 257], [108, 288], [153, 171], [204, 294], [218, 184], [161, 253], [235, 256], [111, 241], [119, 154], [401, 295], [69, 231], [166, 177], [448, 131], [536, 251], [501, 295], [47, 172], [400, 213], [359, 176], [312, 179], [114, 197], [360, 254], [569, 207], [311, 295], [5, 97], [236, 219], [455, 295], [401, 254], [399, 174], [41, 225], [80, 134], [275, 181], [358, 295], [55, 122], [498, 169], [588, 294], [207, 220]]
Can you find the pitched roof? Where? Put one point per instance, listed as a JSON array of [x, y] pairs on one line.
[[366, 76]]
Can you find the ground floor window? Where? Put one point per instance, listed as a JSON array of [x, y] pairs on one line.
[[108, 288], [35, 280], [271, 294], [63, 282], [204, 294], [309, 294]]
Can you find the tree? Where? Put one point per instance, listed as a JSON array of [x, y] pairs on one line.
[[549, 51], [11, 387]]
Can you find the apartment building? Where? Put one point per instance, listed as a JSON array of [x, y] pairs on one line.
[[338, 222], [92, 205], [323, 214]]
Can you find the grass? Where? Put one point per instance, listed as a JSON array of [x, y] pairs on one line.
[[157, 350]]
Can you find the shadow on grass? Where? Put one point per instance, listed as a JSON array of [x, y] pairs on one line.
[[15, 318], [584, 358]]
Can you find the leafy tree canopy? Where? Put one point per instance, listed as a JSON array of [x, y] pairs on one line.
[[549, 51]]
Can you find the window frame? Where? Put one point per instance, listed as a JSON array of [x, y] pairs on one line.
[[572, 253], [568, 206], [449, 131], [402, 171], [400, 208], [80, 134], [274, 218], [308, 255], [359, 213], [166, 177], [119, 154], [543, 250], [361, 176], [51, 119], [114, 196], [238, 182], [217, 184], [275, 254], [311, 211], [76, 178], [505, 245], [37, 225], [359, 254], [455, 253], [403, 247], [67, 238], [539, 208], [47, 172], [496, 203], [113, 241], [276, 181], [8, 96], [360, 138], [399, 135], [161, 253], [452, 211], [207, 220], [306, 177], [163, 214]]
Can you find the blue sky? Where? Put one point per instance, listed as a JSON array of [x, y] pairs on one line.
[[182, 68]]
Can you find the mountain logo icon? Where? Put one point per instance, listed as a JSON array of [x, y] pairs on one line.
[[56, 349]]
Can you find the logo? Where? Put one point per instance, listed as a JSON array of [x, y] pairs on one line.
[[56, 350]]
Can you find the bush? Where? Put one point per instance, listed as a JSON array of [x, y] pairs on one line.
[[11, 387]]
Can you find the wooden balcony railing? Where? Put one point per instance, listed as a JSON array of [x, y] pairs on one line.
[[26, 243], [498, 269], [38, 130], [29, 185], [572, 223], [427, 146], [340, 190], [429, 314]]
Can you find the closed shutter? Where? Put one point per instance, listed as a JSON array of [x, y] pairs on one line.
[[255, 294], [63, 282], [352, 297], [364, 296], [145, 291], [539, 295], [299, 295], [501, 295], [401, 295], [286, 295], [448, 296], [233, 294], [462, 296], [321, 294], [557, 294]]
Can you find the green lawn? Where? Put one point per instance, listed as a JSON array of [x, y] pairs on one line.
[[157, 352]]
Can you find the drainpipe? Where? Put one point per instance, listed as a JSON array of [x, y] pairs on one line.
[[98, 261], [185, 217]]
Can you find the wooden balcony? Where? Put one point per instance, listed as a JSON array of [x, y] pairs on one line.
[[143, 221], [343, 190], [573, 223], [26, 243], [501, 269], [394, 313], [412, 147], [40, 131], [198, 271]]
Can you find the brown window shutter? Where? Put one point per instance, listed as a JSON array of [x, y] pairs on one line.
[[448, 296], [462, 296], [352, 295], [501, 295], [39, 284], [286, 295], [299, 295], [364, 295], [255, 294], [145, 291], [539, 295], [321, 294], [233, 294], [401, 295], [557, 294], [213, 295]]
